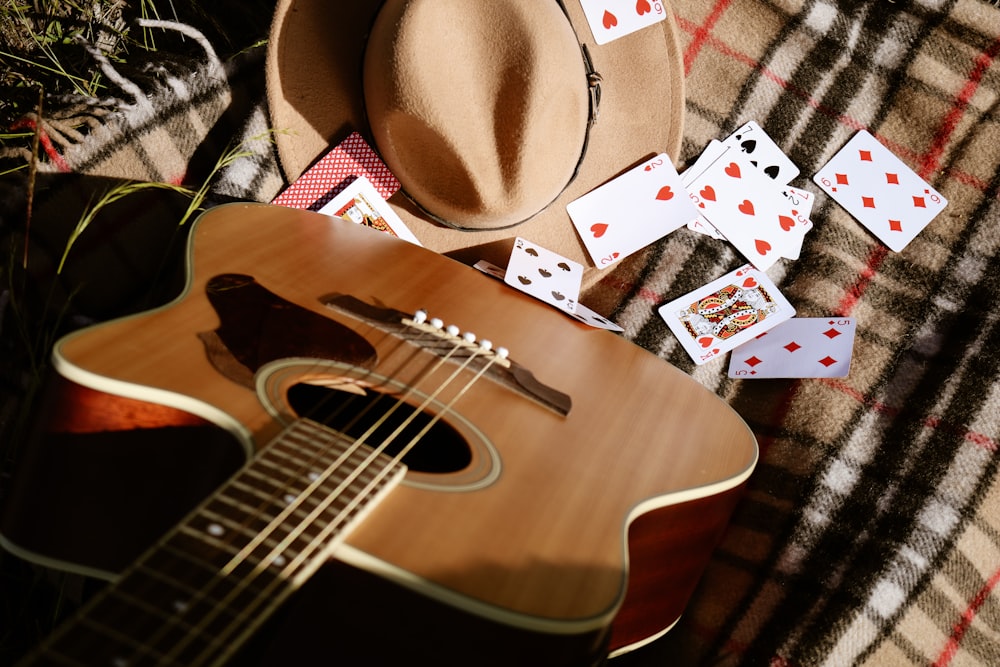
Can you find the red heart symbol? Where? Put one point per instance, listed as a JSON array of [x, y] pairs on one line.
[[705, 342], [598, 229], [665, 193], [749, 283], [763, 247], [707, 192], [610, 20], [786, 222], [642, 7], [746, 207], [733, 170]]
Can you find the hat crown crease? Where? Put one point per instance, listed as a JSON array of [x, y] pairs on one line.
[[481, 117]]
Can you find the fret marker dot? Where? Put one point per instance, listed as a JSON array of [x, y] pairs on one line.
[[215, 529], [279, 560], [313, 476], [289, 498], [180, 606], [119, 662]]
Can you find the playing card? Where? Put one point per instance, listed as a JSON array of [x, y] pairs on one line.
[[763, 152], [713, 151], [632, 211], [802, 201], [334, 171], [591, 318], [544, 275], [806, 347], [748, 208], [489, 269], [725, 313], [880, 191], [611, 19], [582, 313], [360, 203]]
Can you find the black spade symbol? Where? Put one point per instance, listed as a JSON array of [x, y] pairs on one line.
[[557, 296], [771, 171], [563, 265], [531, 251], [749, 146], [545, 273], [523, 280]]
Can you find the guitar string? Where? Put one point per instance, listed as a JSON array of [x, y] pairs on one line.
[[321, 544], [270, 502], [47, 648], [321, 541]]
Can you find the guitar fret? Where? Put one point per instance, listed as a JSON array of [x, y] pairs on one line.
[[220, 573], [233, 597], [105, 645]]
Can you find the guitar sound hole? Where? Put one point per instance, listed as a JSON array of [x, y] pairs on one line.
[[440, 450]]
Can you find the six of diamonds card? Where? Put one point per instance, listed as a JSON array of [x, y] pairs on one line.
[[880, 191]]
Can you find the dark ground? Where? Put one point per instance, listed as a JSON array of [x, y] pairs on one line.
[[32, 314]]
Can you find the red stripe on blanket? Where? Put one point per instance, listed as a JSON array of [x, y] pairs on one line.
[[43, 139], [975, 437], [928, 162], [932, 160], [857, 290], [700, 33], [951, 648]]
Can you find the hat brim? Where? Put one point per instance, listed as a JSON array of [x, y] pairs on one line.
[[315, 100]]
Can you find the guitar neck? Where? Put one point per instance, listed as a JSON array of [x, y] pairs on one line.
[[197, 595]]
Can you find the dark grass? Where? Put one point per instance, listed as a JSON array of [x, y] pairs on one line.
[[33, 600]]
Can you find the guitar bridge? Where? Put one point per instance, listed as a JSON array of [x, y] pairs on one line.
[[433, 336]]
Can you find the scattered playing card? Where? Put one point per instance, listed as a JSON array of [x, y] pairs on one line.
[[334, 171], [880, 191], [763, 152], [747, 207], [709, 155], [725, 313], [544, 275], [632, 211], [611, 19], [589, 317], [582, 312], [489, 269], [802, 201], [806, 347], [360, 203]]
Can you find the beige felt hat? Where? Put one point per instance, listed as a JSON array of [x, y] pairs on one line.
[[492, 115]]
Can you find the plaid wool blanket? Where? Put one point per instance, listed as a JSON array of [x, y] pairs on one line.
[[870, 531]]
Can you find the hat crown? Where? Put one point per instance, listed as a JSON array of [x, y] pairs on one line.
[[479, 109]]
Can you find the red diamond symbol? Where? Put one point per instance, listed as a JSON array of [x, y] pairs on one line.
[[866, 156], [841, 179], [753, 361], [831, 333], [919, 202], [896, 225], [791, 347], [828, 361], [868, 202], [891, 178]]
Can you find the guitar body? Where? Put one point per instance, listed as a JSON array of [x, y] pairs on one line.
[[577, 500]]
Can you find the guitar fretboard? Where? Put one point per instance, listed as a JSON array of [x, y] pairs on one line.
[[196, 596]]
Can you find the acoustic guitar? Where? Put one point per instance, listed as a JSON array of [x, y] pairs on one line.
[[337, 447]]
